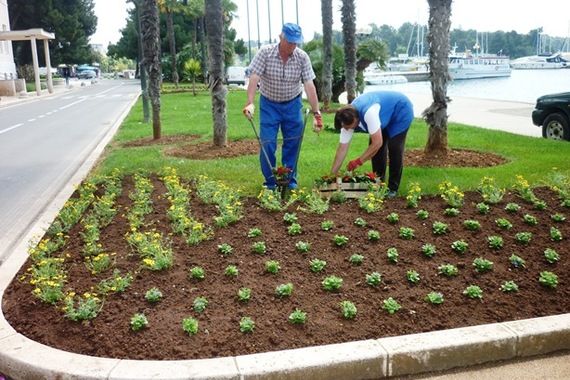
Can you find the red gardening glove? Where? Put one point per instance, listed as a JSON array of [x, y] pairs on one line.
[[354, 164]]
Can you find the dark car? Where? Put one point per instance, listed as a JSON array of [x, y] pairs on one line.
[[86, 74], [552, 112]]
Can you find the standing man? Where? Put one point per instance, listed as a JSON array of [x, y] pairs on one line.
[[281, 70], [386, 116]]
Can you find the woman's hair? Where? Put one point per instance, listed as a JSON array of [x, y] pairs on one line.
[[345, 115]]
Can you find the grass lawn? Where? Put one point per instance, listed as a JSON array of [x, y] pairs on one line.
[[535, 159]]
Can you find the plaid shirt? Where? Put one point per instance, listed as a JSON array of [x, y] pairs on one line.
[[281, 82]]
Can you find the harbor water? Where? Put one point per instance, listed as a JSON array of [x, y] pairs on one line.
[[522, 86]]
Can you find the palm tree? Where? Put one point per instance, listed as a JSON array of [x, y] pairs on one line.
[[150, 26], [348, 19], [214, 30], [326, 89], [438, 39], [142, 70], [169, 7]]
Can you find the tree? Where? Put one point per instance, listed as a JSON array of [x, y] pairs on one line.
[[214, 29], [192, 70], [72, 21], [327, 76], [438, 40], [348, 19], [150, 26]]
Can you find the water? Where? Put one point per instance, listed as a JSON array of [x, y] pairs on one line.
[[521, 86]]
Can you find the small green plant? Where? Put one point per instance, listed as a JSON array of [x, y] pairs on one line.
[[517, 261], [451, 211], [348, 309], [530, 220], [504, 223], [138, 322], [473, 291], [548, 279], [272, 266], [303, 246], [440, 228], [88, 306], [259, 247], [290, 218], [512, 207], [523, 237], [393, 218], [539, 204], [374, 279], [509, 287], [254, 232], [225, 249], [246, 325], [435, 298], [294, 229], [284, 290], [327, 225], [472, 225], [231, 271], [298, 317], [483, 208], [197, 273], [360, 222], [414, 195], [482, 265], [199, 304], [551, 256], [460, 246], [413, 276], [429, 250], [244, 294], [489, 191], [391, 305], [317, 265], [555, 234], [559, 218], [422, 214], [153, 295], [373, 235], [338, 196], [340, 240], [332, 283], [190, 326], [448, 270], [495, 242], [356, 259], [392, 254], [451, 194], [407, 233]]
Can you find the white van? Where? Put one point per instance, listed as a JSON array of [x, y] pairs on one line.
[[236, 75]]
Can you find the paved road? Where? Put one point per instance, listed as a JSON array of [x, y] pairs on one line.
[[42, 144]]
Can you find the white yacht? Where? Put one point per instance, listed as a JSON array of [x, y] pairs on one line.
[[468, 66], [534, 62]]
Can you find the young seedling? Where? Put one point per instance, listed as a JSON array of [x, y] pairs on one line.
[[392, 254], [284, 290], [138, 322], [440, 228], [356, 259], [327, 225], [259, 247], [407, 233], [512, 207], [303, 246], [373, 235], [530, 220], [391, 305], [360, 222], [539, 205], [374, 279], [393, 218], [298, 317], [559, 218], [483, 208], [190, 326], [197, 273], [555, 234], [482, 265], [509, 287], [317, 265], [244, 294], [272, 266], [451, 211], [153, 295], [459, 246], [413, 276], [348, 309], [435, 298], [472, 225], [448, 270], [429, 250], [503, 223], [254, 232], [246, 325], [231, 271], [340, 240], [548, 279], [338, 196], [294, 229], [517, 261], [495, 242], [551, 256], [290, 218], [225, 249], [422, 214], [523, 237], [200, 304], [332, 283], [473, 291]]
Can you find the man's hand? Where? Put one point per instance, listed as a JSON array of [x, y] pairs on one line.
[[249, 110], [317, 122], [353, 164]]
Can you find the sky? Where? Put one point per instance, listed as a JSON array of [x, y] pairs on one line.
[[481, 15]]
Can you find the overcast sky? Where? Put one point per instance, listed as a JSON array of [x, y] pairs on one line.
[[481, 15]]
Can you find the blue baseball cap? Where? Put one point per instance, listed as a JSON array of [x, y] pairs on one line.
[[292, 33]]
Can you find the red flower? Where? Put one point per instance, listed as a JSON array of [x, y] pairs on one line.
[[282, 171], [371, 175]]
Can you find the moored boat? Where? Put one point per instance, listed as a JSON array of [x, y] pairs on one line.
[[539, 62], [468, 66]]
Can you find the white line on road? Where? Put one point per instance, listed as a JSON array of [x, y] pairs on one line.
[[31, 120], [10, 128], [107, 90], [72, 104]]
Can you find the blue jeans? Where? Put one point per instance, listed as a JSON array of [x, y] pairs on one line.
[[288, 117]]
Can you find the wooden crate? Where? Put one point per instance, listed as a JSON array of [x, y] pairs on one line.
[[351, 189]]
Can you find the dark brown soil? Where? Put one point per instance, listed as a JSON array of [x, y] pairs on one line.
[[109, 334]]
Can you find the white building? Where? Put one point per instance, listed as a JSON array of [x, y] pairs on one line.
[[7, 65]]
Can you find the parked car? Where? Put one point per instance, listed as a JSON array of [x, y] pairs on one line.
[[86, 74], [552, 112], [236, 75]]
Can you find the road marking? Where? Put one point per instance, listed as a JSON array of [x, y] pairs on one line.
[[31, 120], [41, 116], [10, 128], [107, 90], [72, 104]]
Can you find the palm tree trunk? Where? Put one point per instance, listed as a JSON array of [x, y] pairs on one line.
[[214, 30], [150, 27], [326, 90], [349, 35], [172, 45], [142, 70], [438, 39]]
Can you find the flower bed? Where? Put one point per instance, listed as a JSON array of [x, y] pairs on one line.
[[157, 268]]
